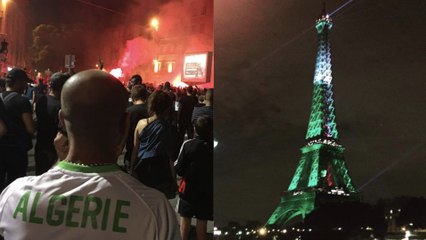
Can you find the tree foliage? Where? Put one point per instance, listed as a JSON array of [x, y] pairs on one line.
[[50, 44]]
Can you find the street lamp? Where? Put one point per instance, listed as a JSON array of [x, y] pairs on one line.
[[4, 3], [154, 23]]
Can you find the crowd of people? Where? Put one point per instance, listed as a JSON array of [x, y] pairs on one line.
[[81, 124]]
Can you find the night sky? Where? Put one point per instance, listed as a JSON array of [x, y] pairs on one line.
[[95, 14], [264, 64]]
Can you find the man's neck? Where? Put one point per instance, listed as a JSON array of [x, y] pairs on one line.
[[11, 89], [138, 102], [80, 153], [54, 94]]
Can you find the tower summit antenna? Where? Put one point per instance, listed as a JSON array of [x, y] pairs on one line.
[[324, 10]]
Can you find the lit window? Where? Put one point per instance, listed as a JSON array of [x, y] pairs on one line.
[[170, 67], [157, 65]]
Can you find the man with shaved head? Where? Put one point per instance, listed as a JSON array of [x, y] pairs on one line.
[[86, 195]]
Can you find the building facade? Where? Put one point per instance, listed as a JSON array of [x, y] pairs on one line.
[[184, 31], [14, 32]]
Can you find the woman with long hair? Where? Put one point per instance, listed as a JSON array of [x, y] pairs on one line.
[[152, 156]]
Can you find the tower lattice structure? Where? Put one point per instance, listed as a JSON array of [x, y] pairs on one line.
[[321, 176]]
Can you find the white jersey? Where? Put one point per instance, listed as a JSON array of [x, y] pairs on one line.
[[72, 201]]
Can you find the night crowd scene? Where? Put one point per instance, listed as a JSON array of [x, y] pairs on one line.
[[79, 126]]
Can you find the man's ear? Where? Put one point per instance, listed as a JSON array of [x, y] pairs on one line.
[[61, 118]]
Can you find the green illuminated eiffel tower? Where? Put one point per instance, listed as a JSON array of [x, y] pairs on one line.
[[321, 176]]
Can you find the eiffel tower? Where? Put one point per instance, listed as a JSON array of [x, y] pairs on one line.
[[321, 176]]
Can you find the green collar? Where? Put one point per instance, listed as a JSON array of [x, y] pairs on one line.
[[86, 168]]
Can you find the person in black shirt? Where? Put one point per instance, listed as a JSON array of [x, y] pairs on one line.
[[3, 128], [195, 165], [187, 104], [3, 131], [2, 85], [138, 111], [20, 128], [47, 109]]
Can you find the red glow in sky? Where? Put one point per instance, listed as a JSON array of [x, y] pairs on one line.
[[138, 53]]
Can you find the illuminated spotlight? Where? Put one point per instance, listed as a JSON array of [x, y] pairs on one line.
[[9, 68], [215, 143], [116, 72], [407, 234], [262, 231], [217, 232]]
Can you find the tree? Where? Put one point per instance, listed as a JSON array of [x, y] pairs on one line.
[[51, 43]]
